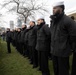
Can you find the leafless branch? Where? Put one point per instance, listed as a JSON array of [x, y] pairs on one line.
[[26, 8]]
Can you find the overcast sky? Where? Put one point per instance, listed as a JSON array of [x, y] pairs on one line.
[[10, 16]]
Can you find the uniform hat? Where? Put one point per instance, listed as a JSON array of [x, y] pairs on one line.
[[24, 24], [40, 17], [31, 20], [58, 4]]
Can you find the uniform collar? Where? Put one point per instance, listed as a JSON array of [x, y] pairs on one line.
[[57, 17], [39, 26]]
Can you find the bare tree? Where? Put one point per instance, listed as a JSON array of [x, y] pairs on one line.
[[26, 8]]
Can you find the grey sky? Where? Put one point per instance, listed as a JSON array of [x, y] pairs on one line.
[[8, 16]]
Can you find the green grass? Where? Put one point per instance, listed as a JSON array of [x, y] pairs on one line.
[[15, 64]]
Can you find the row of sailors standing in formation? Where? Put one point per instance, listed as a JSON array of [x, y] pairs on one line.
[[32, 42], [38, 42]]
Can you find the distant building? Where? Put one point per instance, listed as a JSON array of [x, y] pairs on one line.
[[19, 23], [72, 12], [11, 25]]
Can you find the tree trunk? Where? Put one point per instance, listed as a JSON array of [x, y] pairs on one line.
[[25, 20]]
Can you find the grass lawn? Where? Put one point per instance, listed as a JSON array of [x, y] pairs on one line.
[[15, 64]]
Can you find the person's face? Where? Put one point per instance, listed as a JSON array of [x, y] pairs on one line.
[[39, 21], [23, 26], [31, 23], [57, 10], [8, 29], [18, 30]]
